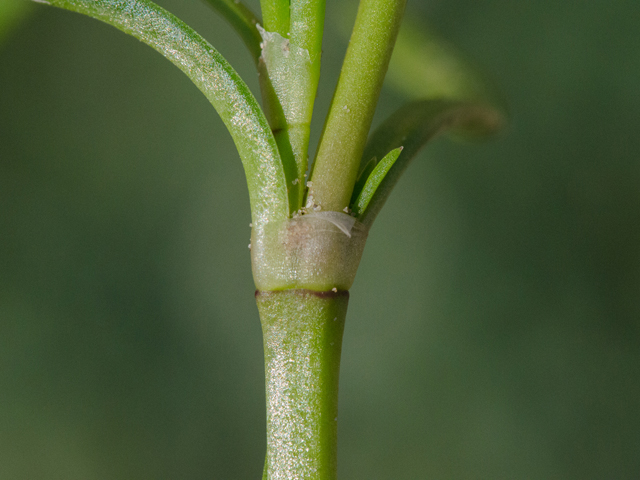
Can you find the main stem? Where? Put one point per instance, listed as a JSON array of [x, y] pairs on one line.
[[302, 332]]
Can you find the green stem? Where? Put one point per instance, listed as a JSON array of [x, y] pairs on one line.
[[302, 332], [275, 16], [347, 126], [289, 74], [307, 26]]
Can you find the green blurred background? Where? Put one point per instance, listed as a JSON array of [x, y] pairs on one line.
[[494, 327]]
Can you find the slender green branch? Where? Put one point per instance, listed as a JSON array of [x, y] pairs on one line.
[[213, 75], [307, 25], [285, 72], [302, 333], [243, 20], [275, 16], [290, 70], [347, 126]]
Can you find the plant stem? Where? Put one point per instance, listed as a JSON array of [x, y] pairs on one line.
[[289, 74], [275, 16], [302, 332], [307, 25], [347, 126]]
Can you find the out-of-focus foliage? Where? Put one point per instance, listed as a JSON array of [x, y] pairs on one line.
[[425, 65], [11, 13], [496, 334]]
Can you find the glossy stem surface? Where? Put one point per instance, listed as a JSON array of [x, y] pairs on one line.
[[347, 126], [302, 332], [289, 71], [276, 16]]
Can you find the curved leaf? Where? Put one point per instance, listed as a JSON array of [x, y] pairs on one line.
[[411, 127], [220, 83], [365, 171], [243, 20]]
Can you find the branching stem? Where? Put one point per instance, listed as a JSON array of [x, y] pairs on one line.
[[347, 125]]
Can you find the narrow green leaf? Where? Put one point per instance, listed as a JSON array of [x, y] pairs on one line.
[[220, 83], [243, 20], [412, 126], [365, 171], [373, 181]]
